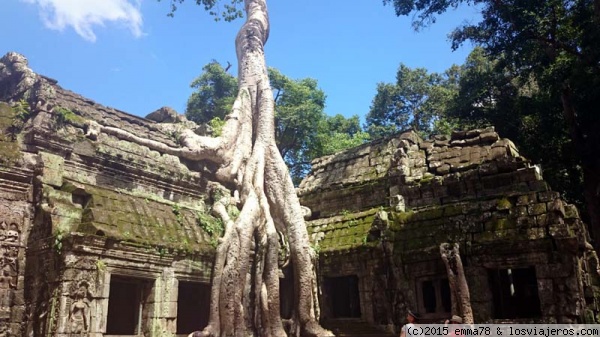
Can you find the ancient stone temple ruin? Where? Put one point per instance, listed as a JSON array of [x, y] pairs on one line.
[[101, 236]]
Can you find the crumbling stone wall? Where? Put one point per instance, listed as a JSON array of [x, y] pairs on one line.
[[78, 210], [380, 211]]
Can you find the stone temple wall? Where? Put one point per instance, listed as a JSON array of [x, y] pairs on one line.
[[380, 212], [81, 213], [102, 236]]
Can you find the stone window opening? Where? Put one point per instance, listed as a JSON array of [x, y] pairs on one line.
[[193, 305], [127, 305], [434, 297], [81, 198], [514, 293]]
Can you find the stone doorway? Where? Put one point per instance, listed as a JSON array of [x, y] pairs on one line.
[[126, 305], [193, 305], [514, 293], [344, 297]]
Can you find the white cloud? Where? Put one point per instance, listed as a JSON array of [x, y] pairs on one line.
[[82, 15]]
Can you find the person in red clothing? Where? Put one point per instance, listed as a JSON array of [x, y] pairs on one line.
[[454, 320]]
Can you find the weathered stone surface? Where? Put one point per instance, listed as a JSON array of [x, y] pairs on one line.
[[166, 115], [90, 210], [472, 188]]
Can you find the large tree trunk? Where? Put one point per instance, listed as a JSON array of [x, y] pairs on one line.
[[587, 150], [245, 288], [459, 289]]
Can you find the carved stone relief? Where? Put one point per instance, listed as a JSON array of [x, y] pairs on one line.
[[10, 239], [79, 309]]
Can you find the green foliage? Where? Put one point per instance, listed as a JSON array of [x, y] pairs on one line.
[[229, 12], [177, 212], [337, 133], [214, 95], [64, 115], [212, 226], [233, 212], [303, 131], [12, 120], [18, 113], [537, 78], [316, 248], [100, 265], [57, 242], [418, 101], [22, 112], [299, 106], [522, 111], [216, 125]]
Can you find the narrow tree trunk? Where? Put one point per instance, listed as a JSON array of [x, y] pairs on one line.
[[459, 289], [245, 288]]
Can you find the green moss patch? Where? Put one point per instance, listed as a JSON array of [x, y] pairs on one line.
[[148, 222]]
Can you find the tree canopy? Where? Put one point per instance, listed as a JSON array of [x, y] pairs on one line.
[[418, 100], [546, 70], [214, 95]]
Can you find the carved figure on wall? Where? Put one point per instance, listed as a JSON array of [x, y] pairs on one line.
[[7, 284], [9, 251], [3, 228], [12, 234], [79, 312]]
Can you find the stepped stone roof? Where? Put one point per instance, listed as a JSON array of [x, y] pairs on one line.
[[126, 191]]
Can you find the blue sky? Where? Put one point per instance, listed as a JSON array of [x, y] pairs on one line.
[[129, 55]]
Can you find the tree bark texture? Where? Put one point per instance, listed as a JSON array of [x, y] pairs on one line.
[[459, 289], [245, 286], [590, 163]]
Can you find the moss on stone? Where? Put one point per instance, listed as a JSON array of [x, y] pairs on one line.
[[431, 213], [500, 224], [453, 210], [503, 204], [402, 217], [9, 145], [148, 223]]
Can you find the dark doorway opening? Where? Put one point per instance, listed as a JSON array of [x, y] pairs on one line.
[[515, 293], [286, 293], [193, 306], [126, 300], [344, 296], [435, 296], [429, 301]]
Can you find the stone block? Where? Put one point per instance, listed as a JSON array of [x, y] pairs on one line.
[[498, 152], [458, 134], [547, 196], [443, 169], [525, 222], [552, 271], [518, 211], [536, 209], [541, 220], [526, 199], [538, 186], [53, 169], [571, 212], [556, 206], [17, 313], [488, 137]]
